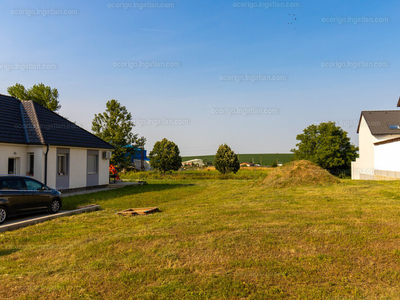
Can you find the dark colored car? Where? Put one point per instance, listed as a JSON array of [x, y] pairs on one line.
[[24, 195]]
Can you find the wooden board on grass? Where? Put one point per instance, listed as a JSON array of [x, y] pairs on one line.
[[137, 211]]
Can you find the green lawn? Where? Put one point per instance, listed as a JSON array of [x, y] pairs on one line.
[[263, 158], [214, 239]]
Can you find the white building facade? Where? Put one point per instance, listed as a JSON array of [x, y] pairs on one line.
[[379, 142], [37, 142]]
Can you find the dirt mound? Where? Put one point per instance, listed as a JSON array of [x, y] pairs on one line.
[[298, 173]]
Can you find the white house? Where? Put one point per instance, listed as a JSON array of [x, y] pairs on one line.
[[379, 144], [40, 143]]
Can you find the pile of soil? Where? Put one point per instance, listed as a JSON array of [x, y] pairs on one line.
[[298, 173]]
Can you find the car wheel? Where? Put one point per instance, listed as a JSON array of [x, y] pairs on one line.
[[3, 214], [55, 206]]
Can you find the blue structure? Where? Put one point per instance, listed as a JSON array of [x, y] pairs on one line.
[[139, 154]]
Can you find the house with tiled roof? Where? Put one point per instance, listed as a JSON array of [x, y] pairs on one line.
[[379, 146], [38, 142]]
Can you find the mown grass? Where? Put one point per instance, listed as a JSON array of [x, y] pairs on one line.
[[214, 239], [211, 173]]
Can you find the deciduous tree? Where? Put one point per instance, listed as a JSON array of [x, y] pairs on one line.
[[115, 127], [165, 156], [327, 145], [44, 95], [226, 161]]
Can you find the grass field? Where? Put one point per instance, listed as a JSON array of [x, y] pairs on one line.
[[214, 239], [263, 159]]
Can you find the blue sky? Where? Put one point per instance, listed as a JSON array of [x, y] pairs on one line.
[[201, 53]]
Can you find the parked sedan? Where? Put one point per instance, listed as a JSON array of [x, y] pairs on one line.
[[24, 195]]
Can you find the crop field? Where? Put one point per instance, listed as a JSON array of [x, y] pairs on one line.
[[244, 237], [262, 159]]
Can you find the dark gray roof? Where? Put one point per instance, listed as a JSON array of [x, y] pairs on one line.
[[379, 121], [27, 122], [11, 129]]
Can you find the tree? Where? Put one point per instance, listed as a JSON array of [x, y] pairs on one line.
[[44, 95], [226, 161], [207, 163], [274, 164], [115, 127], [165, 156], [328, 146]]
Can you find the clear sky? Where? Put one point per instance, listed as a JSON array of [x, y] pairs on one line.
[[252, 74]]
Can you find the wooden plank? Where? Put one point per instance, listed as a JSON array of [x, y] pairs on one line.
[[138, 211]]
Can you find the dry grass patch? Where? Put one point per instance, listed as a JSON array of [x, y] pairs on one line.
[[298, 173]]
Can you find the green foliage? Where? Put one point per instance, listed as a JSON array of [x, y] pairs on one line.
[[165, 156], [44, 95], [207, 163], [115, 127], [327, 145], [226, 161], [274, 164]]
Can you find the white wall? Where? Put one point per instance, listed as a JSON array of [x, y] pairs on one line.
[[13, 151], [386, 157], [78, 163], [365, 163], [104, 165], [77, 167], [369, 160], [38, 152], [51, 167]]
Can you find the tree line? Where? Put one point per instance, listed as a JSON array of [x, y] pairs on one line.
[[325, 144]]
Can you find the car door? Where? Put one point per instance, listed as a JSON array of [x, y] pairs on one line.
[[14, 193], [39, 194]]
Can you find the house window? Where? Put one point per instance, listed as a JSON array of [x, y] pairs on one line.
[[31, 164], [394, 126], [93, 163], [13, 166], [62, 164]]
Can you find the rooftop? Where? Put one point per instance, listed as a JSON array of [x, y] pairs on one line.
[[27, 122], [382, 122]]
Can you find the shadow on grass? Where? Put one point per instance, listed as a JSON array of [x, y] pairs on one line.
[[8, 252], [74, 201]]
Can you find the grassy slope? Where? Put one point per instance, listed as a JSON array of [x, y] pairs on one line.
[[266, 158], [215, 239]]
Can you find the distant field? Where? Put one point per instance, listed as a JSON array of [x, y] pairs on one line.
[[262, 159]]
